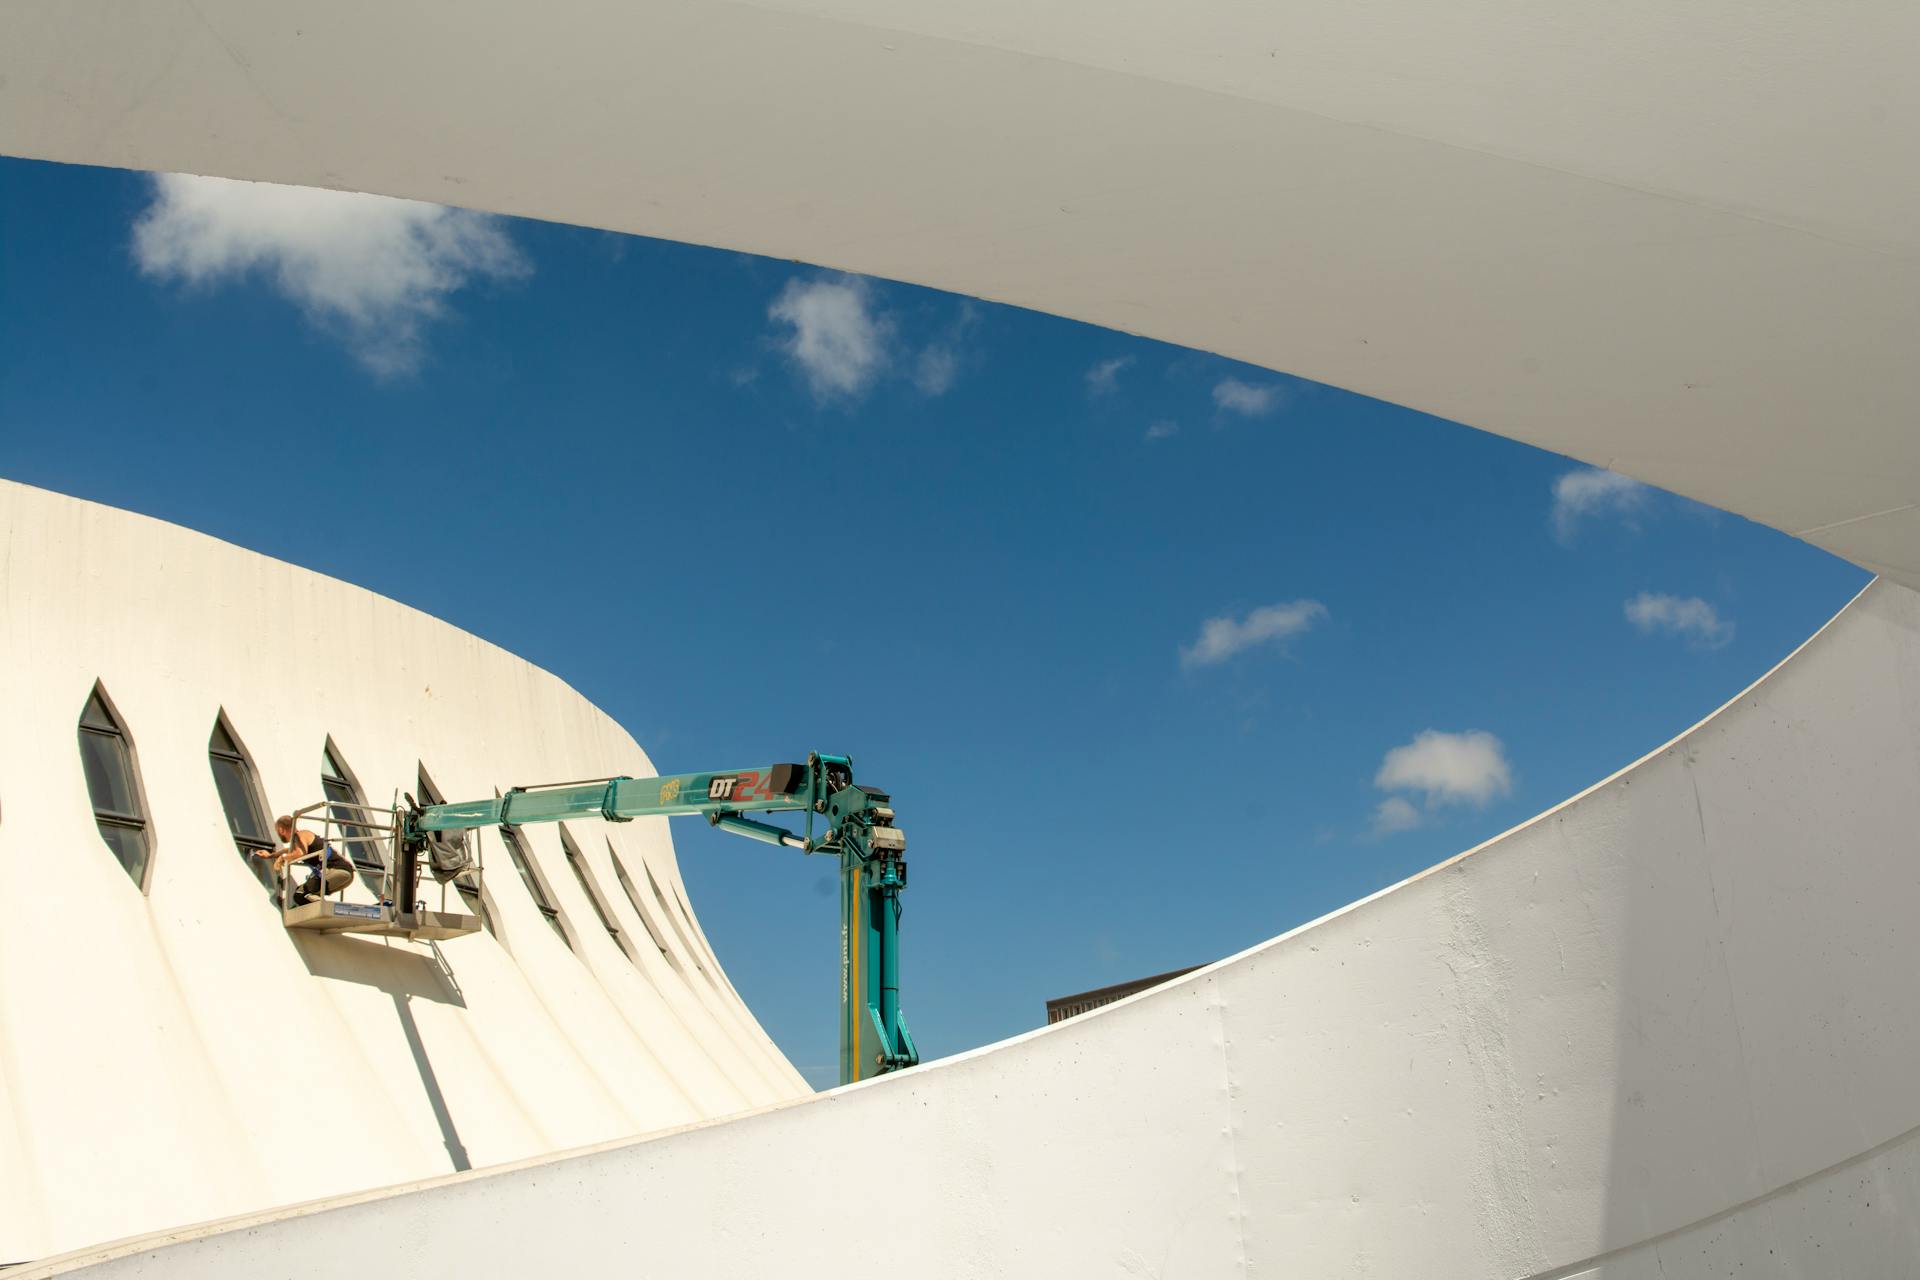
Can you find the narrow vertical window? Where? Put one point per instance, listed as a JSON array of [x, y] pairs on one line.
[[113, 783], [646, 917], [580, 873], [510, 836], [674, 923], [428, 794], [470, 895], [240, 798], [346, 806], [693, 934]]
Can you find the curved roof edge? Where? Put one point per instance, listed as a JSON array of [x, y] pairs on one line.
[[175, 529], [1618, 237]]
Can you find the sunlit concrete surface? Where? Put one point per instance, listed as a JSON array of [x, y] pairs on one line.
[[175, 1054], [1665, 1029], [1679, 240]]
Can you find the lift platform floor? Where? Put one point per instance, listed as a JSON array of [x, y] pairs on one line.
[[328, 916]]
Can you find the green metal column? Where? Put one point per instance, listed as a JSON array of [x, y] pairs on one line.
[[853, 966], [885, 911]]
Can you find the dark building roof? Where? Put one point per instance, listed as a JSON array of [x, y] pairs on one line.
[[1067, 1006]]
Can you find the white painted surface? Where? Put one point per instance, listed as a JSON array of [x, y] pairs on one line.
[[1666, 1029], [154, 1048], [1669, 1024], [1676, 239]]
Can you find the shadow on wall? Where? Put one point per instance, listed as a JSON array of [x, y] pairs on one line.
[[396, 969], [405, 975], [430, 1083]]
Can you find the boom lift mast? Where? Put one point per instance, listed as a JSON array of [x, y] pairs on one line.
[[856, 826]]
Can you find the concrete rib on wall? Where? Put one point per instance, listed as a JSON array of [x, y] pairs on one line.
[[173, 1055]]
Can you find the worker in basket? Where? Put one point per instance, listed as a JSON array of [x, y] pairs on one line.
[[327, 871]]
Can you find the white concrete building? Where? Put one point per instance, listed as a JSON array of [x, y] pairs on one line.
[[168, 1051], [1666, 1029]]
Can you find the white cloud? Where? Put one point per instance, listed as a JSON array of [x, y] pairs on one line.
[[1221, 638], [371, 270], [1687, 616], [834, 336], [1592, 491], [1104, 377], [935, 370], [1246, 397], [938, 366], [1163, 429], [1448, 768], [1396, 813]]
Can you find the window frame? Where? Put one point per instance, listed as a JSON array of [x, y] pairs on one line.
[[261, 868], [141, 821], [372, 875], [427, 793], [577, 863], [673, 922], [646, 918], [476, 898], [521, 855]]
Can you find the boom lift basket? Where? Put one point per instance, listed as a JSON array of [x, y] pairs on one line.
[[400, 912]]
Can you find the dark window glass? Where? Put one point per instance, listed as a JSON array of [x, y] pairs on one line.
[[109, 766], [521, 863], [245, 817], [129, 845], [646, 917], [428, 794], [579, 867], [358, 843], [96, 716], [107, 760], [240, 799]]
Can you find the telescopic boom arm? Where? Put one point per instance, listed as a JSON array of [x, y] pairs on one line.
[[855, 824]]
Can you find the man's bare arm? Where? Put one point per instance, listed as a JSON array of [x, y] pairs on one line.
[[280, 856]]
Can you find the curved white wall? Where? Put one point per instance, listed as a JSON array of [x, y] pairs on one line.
[[1665, 1029], [154, 1047], [1679, 240]]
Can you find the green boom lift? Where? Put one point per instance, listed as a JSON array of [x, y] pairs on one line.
[[856, 825]]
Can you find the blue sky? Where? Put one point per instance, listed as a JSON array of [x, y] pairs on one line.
[[1159, 654]]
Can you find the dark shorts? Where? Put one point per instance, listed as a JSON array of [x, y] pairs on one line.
[[338, 873], [326, 853]]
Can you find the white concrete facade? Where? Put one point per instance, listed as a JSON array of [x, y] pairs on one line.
[[1664, 1030], [174, 1054]]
